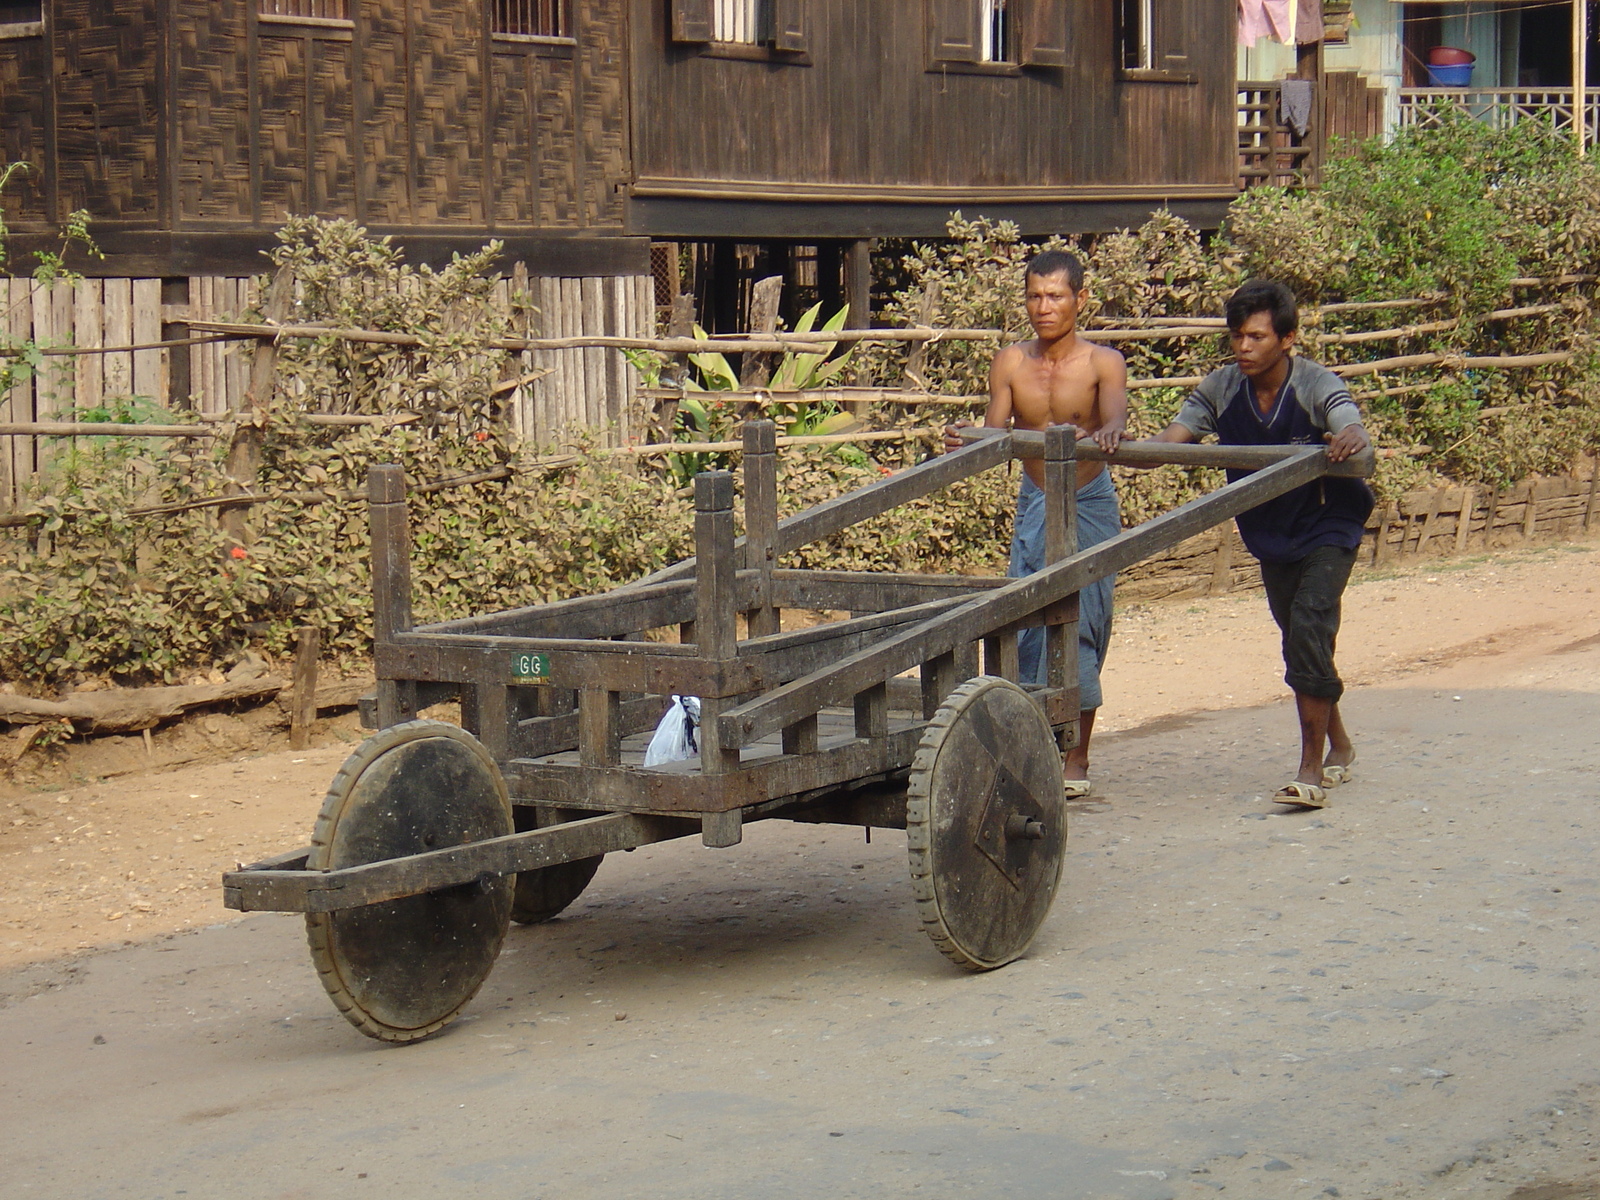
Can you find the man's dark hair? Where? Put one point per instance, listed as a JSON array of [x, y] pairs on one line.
[[1263, 295], [1053, 262]]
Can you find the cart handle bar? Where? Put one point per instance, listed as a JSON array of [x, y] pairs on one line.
[[979, 617]]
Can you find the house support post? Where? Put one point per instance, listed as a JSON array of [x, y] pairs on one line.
[[1580, 72]]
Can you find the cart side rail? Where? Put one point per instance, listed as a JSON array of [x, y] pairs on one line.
[[1016, 602], [831, 516]]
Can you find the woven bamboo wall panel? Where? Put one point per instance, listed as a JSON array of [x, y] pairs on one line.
[[307, 120], [602, 111], [387, 163], [410, 116], [106, 108], [212, 101], [281, 140], [22, 124], [533, 140], [447, 99], [332, 167]]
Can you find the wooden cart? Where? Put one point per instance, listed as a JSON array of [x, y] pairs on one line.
[[433, 837]]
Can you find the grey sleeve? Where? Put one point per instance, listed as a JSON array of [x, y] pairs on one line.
[[1333, 408], [1199, 412], [1339, 411]]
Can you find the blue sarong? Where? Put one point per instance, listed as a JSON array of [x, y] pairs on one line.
[[1099, 519]]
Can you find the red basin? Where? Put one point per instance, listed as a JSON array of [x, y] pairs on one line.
[[1449, 56]]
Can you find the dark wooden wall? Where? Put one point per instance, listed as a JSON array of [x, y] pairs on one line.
[[867, 107], [1352, 107]]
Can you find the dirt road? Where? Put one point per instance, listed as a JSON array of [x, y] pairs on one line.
[[1390, 998]]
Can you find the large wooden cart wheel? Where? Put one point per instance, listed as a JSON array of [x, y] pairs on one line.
[[546, 891], [402, 969], [986, 823]]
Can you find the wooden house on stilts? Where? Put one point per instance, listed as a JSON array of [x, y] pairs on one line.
[[774, 136]]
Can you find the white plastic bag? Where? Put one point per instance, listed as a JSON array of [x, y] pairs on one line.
[[674, 738]]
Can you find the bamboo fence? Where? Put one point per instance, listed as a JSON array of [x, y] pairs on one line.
[[592, 364]]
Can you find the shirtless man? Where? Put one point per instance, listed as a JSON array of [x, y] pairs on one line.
[[1059, 379]]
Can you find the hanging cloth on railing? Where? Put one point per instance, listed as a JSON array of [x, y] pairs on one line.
[[1294, 105]]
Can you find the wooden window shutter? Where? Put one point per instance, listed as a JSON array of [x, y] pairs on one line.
[[1041, 27], [1169, 40], [789, 24], [953, 30], [691, 20]]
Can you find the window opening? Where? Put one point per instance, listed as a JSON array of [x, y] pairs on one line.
[[994, 42], [1137, 19], [21, 14], [744, 21], [322, 10], [531, 18]]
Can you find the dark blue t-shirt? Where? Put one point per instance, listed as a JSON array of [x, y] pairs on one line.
[[1313, 401]]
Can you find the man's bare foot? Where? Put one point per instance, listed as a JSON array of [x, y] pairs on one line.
[[1311, 775], [1075, 762]]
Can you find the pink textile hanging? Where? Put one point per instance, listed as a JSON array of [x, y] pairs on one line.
[[1267, 18], [1308, 22]]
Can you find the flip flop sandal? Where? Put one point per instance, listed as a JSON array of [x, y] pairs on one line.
[[1306, 795], [1337, 774], [1078, 789]]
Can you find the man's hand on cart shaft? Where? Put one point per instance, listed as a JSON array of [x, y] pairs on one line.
[[1352, 439]]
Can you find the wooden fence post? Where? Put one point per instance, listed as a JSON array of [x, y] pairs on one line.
[[760, 465], [716, 633], [927, 310], [391, 582], [244, 452], [303, 702], [764, 299], [1469, 505]]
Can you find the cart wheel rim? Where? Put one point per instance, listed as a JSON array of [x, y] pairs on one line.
[[986, 823], [403, 969]]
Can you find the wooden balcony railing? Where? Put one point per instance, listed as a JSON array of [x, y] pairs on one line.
[[1500, 107], [1270, 152]]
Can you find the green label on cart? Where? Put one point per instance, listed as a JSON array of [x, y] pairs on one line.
[[530, 668]]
